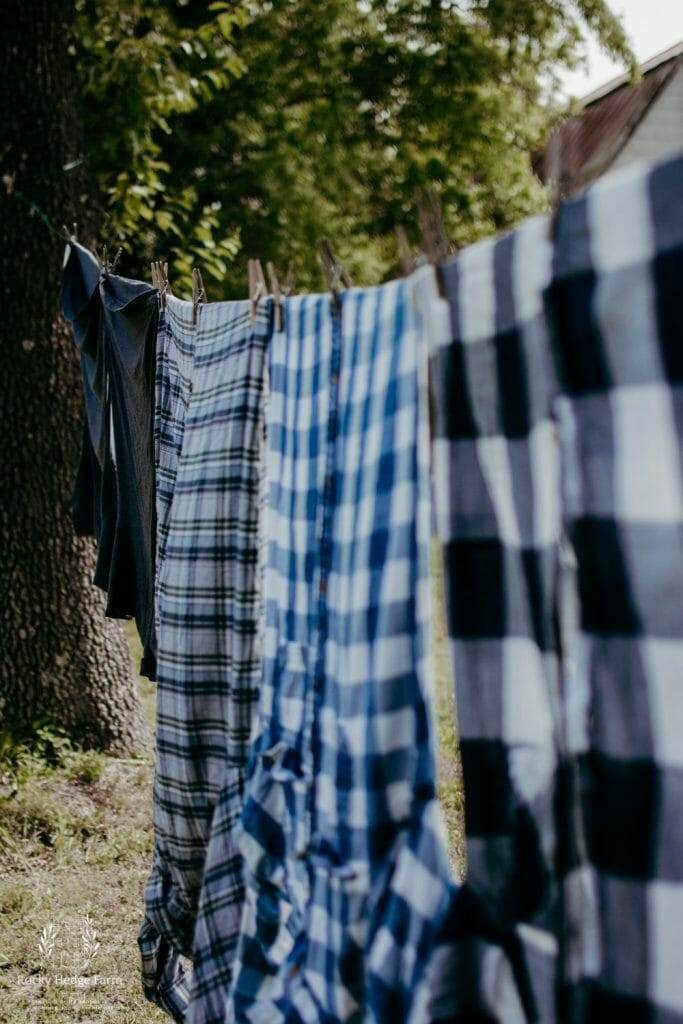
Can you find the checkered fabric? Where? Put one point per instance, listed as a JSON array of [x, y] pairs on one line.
[[209, 441], [573, 898], [341, 784], [616, 303], [497, 512]]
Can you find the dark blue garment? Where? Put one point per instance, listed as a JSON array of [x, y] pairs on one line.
[[114, 324], [129, 327], [81, 307]]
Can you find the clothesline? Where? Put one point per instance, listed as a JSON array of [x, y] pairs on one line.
[[268, 521]]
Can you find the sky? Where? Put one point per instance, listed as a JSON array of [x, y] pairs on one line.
[[651, 25]]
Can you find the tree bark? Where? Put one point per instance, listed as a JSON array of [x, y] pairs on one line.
[[59, 657]]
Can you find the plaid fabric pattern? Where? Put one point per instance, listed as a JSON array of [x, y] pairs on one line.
[[209, 438], [173, 386], [497, 510], [341, 782], [616, 305], [570, 740]]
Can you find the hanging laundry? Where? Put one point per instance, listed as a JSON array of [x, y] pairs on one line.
[[341, 787], [497, 513], [300, 862], [175, 363], [114, 324], [81, 307], [129, 327], [615, 303], [555, 376], [208, 443]]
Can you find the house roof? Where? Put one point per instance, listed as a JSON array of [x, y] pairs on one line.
[[584, 146], [663, 57]]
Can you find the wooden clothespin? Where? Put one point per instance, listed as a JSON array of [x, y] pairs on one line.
[[257, 285], [405, 254], [288, 286], [435, 243], [198, 293], [277, 294], [335, 274], [160, 281], [166, 284], [70, 236], [107, 266]]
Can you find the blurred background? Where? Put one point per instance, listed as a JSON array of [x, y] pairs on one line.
[[228, 130], [217, 131]]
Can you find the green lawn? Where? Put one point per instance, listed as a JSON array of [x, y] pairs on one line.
[[75, 849], [75, 857]]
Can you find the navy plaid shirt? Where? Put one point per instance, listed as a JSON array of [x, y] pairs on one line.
[[209, 449]]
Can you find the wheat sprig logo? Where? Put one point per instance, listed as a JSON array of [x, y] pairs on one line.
[[89, 941], [46, 942]]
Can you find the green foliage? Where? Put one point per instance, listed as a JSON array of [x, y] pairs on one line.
[[55, 796], [21, 757], [47, 749], [145, 67], [219, 131]]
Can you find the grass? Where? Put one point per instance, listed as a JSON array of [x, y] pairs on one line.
[[449, 770], [75, 850]]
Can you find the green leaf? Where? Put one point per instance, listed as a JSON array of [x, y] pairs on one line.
[[258, 126]]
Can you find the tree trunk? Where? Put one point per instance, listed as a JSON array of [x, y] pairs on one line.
[[59, 657]]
